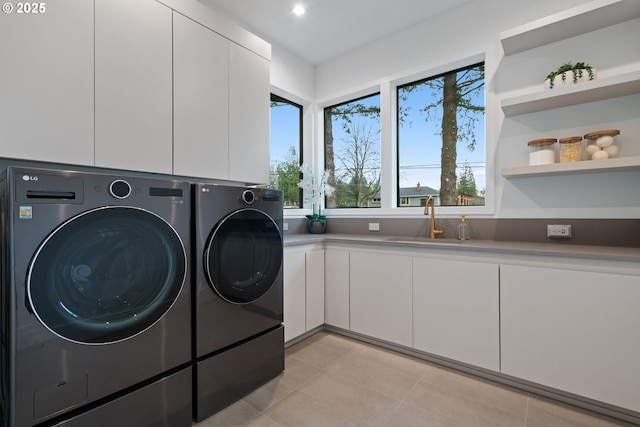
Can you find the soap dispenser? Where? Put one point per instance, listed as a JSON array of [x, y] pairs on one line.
[[463, 229]]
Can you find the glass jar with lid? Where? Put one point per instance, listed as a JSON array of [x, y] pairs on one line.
[[570, 149], [602, 144], [542, 151]]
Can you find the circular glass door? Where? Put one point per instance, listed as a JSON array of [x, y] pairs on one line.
[[243, 256], [106, 275]]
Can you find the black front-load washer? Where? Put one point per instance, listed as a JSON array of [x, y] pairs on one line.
[[95, 299], [239, 338]]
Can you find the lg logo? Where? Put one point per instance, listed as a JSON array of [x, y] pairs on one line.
[[29, 178]]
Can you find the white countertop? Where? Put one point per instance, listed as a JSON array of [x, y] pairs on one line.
[[559, 249]]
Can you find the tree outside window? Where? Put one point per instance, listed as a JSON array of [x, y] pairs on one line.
[[441, 138], [352, 153]]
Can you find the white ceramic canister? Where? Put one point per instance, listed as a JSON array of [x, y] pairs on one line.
[[542, 151]]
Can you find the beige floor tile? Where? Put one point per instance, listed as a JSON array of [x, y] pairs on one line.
[[544, 412], [401, 362], [484, 391], [263, 421], [297, 372], [459, 408], [233, 415], [352, 398], [269, 394], [384, 378], [301, 410], [333, 340], [408, 416], [318, 354], [334, 381]]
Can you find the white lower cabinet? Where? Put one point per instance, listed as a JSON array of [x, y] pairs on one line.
[[314, 285], [380, 296], [572, 330], [456, 310], [336, 279], [303, 290], [294, 292]]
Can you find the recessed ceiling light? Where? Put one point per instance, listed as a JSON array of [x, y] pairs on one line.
[[299, 10]]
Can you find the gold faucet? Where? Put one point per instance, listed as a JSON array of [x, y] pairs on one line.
[[432, 224]]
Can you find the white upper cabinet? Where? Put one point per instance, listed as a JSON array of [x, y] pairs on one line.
[[133, 85], [221, 106], [46, 105], [200, 100], [249, 98]]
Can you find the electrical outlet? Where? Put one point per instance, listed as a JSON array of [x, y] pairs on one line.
[[285, 226], [559, 231], [374, 226]]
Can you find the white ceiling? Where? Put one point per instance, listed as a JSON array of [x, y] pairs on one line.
[[330, 27]]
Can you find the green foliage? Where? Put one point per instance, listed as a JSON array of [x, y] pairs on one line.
[[466, 181], [577, 71], [354, 169], [285, 176]]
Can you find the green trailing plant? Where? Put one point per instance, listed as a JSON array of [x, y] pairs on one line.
[[578, 71]]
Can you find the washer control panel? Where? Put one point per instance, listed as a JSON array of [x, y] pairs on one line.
[[248, 197], [120, 189]]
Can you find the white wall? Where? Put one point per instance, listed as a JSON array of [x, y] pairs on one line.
[[474, 29]]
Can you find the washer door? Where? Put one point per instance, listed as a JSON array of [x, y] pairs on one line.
[[243, 256], [106, 275]]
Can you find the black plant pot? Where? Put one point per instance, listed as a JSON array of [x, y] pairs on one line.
[[317, 227]]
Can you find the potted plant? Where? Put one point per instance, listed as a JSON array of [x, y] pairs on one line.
[[314, 189], [569, 72]]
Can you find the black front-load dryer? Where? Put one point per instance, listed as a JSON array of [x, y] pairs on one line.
[[239, 339], [95, 299]]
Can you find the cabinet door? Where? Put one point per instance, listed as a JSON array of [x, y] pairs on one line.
[[200, 100], [133, 79], [336, 279], [46, 104], [380, 296], [315, 288], [294, 293], [455, 310], [575, 331], [249, 97]]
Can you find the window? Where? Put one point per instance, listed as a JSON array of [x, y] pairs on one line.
[[286, 149], [441, 144], [352, 153]]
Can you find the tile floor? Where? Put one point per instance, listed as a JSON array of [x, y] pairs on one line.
[[331, 380]]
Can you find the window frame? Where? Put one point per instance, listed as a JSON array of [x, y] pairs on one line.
[[388, 138], [278, 98], [422, 80], [324, 151]]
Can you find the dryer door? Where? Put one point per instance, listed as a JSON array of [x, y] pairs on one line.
[[106, 275], [243, 256]]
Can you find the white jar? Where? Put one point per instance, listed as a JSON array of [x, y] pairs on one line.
[[542, 151], [602, 145]]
